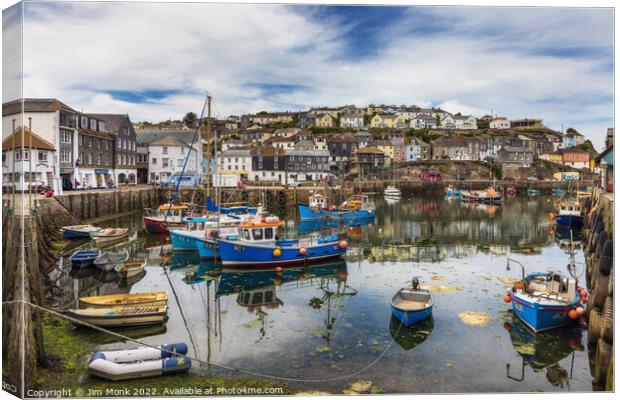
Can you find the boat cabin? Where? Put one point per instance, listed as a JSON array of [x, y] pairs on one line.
[[569, 208], [259, 297], [261, 230], [194, 223], [317, 200], [172, 210], [554, 283]]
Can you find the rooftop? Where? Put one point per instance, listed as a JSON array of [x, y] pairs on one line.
[[29, 138]]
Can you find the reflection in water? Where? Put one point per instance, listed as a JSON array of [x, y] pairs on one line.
[[544, 350], [410, 337], [330, 320]]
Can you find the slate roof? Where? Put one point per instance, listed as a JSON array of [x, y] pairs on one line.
[[33, 105], [113, 122]]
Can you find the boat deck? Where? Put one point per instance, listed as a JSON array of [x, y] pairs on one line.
[[409, 305]]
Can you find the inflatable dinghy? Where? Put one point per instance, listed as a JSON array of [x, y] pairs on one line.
[[142, 362]]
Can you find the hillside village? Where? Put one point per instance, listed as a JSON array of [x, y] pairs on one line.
[[74, 149]]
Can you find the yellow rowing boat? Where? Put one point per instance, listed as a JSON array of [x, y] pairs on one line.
[[144, 299], [119, 317]]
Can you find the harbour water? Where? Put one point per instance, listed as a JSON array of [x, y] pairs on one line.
[[325, 326]]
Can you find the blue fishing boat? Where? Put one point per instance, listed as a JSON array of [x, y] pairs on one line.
[[84, 258], [546, 300], [569, 215], [533, 192], [78, 231], [200, 229], [412, 304], [358, 207], [258, 245], [243, 209]]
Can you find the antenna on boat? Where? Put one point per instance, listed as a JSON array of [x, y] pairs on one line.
[[508, 260]]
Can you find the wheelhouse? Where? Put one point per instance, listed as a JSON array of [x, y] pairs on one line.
[[317, 200], [172, 210], [570, 208], [265, 230]]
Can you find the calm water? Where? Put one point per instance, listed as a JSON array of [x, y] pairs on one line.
[[333, 320]]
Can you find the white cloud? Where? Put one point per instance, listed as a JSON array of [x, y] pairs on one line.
[[481, 59]]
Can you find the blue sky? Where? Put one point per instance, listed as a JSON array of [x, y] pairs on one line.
[[156, 61]]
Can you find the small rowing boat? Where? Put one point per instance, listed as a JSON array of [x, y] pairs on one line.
[[130, 268], [109, 259], [119, 317], [109, 233], [78, 231], [412, 304], [143, 362], [84, 258], [144, 299]]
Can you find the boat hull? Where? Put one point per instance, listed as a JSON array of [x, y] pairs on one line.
[[206, 248], [239, 254], [182, 241], [157, 226], [117, 321], [409, 318], [569, 221], [70, 234], [308, 213], [540, 317]]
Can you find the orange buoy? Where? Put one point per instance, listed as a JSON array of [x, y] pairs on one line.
[[551, 216], [343, 244], [507, 298], [303, 251], [580, 311], [277, 253], [572, 314], [278, 269]]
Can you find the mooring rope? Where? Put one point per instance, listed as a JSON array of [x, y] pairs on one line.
[[225, 367]]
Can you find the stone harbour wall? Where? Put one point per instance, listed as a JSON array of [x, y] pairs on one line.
[[599, 246]]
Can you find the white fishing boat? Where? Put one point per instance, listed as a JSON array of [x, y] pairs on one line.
[[392, 191]]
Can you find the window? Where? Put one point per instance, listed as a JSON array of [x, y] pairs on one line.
[[118, 144], [90, 158], [84, 122], [246, 234], [98, 159], [154, 161], [182, 150], [268, 233], [152, 176], [164, 162], [164, 150], [101, 126], [65, 137], [93, 124], [123, 159], [180, 162], [3, 158], [65, 156], [42, 156]]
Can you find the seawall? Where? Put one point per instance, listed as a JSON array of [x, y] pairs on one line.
[[599, 246]]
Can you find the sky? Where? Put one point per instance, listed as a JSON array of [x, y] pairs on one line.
[[157, 61]]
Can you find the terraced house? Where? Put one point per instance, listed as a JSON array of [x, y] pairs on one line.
[[388, 121], [125, 146], [94, 166]]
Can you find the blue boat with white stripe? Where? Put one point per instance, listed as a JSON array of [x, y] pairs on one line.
[[257, 245], [357, 207], [569, 215], [546, 300]]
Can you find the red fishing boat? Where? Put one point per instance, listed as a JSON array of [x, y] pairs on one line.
[[164, 217]]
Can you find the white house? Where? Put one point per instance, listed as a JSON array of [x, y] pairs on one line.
[[499, 123], [38, 156], [458, 122], [54, 122], [167, 156], [412, 152], [234, 167], [421, 121], [354, 121]]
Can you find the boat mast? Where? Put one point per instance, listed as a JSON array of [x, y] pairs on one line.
[[209, 146]]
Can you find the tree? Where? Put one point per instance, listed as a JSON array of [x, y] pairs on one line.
[[190, 119]]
